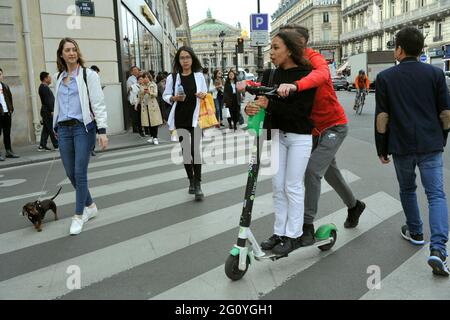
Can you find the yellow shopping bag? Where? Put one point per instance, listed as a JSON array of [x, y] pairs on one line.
[[207, 117]]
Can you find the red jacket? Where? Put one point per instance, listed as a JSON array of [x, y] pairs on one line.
[[327, 112]]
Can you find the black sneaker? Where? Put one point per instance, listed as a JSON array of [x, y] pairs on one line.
[[354, 214], [286, 246], [438, 263], [307, 238], [416, 239], [191, 186], [41, 148], [271, 242]]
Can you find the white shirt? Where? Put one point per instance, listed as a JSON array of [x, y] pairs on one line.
[[130, 82], [2, 100]]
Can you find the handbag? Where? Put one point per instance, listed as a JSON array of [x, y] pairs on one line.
[[226, 113], [207, 116]]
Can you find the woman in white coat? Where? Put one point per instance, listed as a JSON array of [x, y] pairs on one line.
[[184, 89], [79, 113]]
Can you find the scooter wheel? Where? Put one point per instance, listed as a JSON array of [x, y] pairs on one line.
[[327, 247], [232, 268]]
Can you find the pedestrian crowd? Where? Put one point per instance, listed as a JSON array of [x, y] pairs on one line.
[[412, 122]]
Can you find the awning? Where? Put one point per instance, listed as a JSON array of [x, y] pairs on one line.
[[342, 68]]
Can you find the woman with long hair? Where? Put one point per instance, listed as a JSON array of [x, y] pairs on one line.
[[184, 89], [232, 100], [151, 117], [79, 113], [290, 117], [218, 86]]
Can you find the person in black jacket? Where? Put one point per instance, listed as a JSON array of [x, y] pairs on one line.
[[412, 123], [6, 111], [232, 99], [292, 140], [48, 102]]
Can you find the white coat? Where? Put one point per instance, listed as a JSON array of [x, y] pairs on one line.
[[201, 87]]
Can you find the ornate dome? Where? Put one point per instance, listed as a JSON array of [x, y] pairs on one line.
[[212, 26]]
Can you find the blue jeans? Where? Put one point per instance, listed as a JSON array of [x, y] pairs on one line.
[[75, 146], [218, 102], [431, 173]]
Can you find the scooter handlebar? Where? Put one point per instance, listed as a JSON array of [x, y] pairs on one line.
[[262, 91]]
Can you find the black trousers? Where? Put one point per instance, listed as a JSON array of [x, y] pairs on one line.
[[235, 110], [190, 141], [5, 129], [136, 119], [47, 130]]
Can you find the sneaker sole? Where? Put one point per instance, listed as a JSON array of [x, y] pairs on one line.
[[414, 242], [438, 267]]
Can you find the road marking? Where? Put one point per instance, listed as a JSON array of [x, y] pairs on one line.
[[50, 282], [263, 277], [23, 196], [403, 282]]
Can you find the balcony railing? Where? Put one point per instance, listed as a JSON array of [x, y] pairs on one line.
[[315, 3], [362, 33], [324, 43], [439, 6], [356, 6]]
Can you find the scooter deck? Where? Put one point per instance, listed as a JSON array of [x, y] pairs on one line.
[[272, 256]]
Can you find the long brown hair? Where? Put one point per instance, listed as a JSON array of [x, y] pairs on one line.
[[62, 66], [293, 42]]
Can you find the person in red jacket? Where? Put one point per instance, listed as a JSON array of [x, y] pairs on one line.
[[329, 132], [362, 85]]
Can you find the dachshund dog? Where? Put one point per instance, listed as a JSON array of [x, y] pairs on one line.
[[36, 211]]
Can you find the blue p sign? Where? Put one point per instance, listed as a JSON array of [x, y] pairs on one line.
[[260, 22]]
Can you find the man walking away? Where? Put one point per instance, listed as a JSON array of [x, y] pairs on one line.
[[6, 111], [412, 124], [48, 101]]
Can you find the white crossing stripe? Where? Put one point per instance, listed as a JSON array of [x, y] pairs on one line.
[[23, 196], [159, 163], [228, 139], [263, 277], [26, 237], [50, 282], [413, 280]]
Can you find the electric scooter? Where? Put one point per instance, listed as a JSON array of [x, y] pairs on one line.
[[241, 255]]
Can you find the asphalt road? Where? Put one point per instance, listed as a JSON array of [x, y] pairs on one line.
[[152, 241]]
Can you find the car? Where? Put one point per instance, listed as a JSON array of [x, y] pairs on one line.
[[250, 76], [340, 83]]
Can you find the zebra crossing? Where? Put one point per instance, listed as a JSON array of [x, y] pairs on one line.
[[150, 240]]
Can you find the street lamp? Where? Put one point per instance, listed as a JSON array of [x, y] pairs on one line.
[[222, 39], [215, 54]]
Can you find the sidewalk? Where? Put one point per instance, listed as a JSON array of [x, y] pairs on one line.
[[29, 154]]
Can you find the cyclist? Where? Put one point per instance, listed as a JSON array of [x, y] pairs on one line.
[[362, 86]]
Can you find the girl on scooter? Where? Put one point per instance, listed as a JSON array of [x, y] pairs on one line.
[[290, 119]]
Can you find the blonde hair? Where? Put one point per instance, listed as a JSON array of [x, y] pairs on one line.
[[62, 66]]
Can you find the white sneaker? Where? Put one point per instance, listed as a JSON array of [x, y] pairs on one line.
[[155, 141], [150, 140], [174, 138], [89, 213], [77, 225]]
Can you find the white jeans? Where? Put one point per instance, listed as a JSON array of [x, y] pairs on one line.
[[288, 185]]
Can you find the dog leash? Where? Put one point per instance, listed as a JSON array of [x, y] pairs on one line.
[[46, 177]]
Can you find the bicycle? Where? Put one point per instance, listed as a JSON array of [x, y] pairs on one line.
[[359, 103]]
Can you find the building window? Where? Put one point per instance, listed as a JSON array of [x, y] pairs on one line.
[[438, 31], [380, 43], [246, 60], [405, 6], [369, 44], [392, 9], [361, 20], [326, 35], [326, 17], [353, 23]]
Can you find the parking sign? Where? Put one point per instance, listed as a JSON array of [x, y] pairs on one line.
[[259, 29]]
